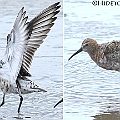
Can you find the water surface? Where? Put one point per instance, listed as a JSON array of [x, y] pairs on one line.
[[46, 69], [91, 93]]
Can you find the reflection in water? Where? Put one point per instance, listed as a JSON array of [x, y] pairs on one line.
[[21, 116], [108, 116]]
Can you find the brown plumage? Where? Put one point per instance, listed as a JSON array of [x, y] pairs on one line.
[[106, 55]]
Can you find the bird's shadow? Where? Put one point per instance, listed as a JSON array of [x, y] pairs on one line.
[[21, 116]]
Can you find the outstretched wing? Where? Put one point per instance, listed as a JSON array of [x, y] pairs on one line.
[[16, 45], [38, 29]]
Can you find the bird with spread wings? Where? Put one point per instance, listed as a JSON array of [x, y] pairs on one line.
[[22, 42]]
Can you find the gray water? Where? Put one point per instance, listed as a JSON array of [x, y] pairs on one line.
[[90, 92], [46, 69]]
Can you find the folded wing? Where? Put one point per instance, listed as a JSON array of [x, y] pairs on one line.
[[112, 51]]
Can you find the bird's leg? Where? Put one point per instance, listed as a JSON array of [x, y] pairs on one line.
[[19, 92], [3, 101], [21, 99]]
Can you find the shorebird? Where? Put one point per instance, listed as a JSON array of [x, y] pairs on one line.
[[58, 102], [106, 55], [22, 42]]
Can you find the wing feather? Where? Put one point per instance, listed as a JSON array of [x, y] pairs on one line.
[[38, 28], [16, 45], [26, 37], [112, 51]]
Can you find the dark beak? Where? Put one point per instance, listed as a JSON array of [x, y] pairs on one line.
[[59, 102], [80, 50]]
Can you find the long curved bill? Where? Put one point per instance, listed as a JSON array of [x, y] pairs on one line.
[[80, 50], [59, 102]]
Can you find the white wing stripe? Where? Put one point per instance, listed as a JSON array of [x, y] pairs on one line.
[[17, 41], [38, 29], [43, 23]]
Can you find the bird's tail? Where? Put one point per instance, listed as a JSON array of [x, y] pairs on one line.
[[28, 86]]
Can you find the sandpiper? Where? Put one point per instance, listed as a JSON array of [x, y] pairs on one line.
[[22, 42], [106, 55]]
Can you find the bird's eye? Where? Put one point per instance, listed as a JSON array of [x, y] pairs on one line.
[[86, 44]]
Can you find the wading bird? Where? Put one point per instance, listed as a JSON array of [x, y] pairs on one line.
[[22, 42], [106, 55]]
